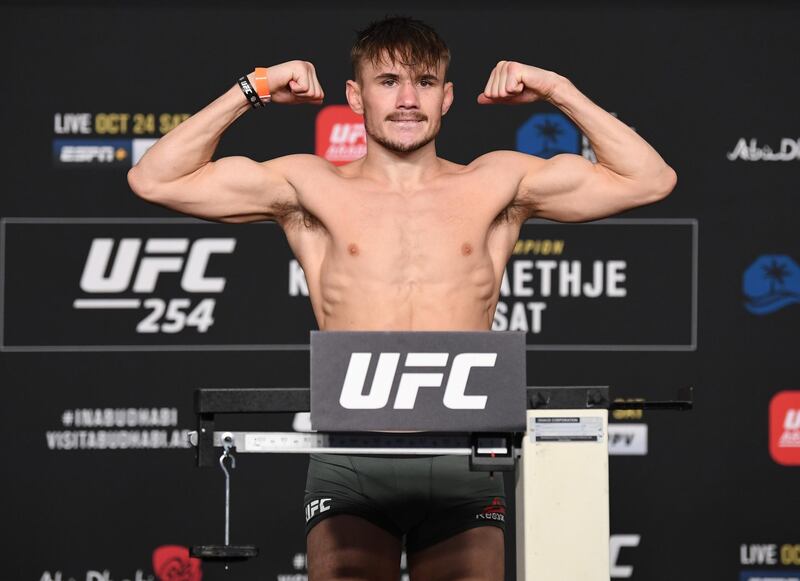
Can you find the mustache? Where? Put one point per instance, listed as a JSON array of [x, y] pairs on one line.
[[407, 117]]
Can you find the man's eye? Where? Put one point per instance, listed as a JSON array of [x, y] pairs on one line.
[[389, 82], [425, 83]]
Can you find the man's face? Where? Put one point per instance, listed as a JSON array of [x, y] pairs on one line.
[[402, 106]]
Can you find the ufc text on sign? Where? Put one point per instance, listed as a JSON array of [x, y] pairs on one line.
[[436, 381]]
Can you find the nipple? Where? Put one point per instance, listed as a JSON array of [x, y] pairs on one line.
[[466, 249], [352, 249]]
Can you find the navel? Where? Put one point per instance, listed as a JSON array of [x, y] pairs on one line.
[[466, 249], [352, 249]]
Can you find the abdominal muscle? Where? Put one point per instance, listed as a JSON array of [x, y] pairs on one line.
[[418, 307], [382, 296]]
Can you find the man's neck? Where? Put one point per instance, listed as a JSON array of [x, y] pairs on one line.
[[401, 171]]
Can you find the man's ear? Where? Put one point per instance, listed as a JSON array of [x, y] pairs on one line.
[[353, 93], [448, 97]]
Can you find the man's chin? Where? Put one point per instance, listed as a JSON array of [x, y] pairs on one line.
[[403, 147]]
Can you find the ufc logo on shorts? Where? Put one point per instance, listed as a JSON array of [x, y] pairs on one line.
[[353, 396], [317, 506], [160, 255]]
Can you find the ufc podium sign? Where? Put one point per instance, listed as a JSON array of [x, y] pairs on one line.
[[433, 381]]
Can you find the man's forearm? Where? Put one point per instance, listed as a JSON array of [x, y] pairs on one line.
[[617, 147], [190, 145]]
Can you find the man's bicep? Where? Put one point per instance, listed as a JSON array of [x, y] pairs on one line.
[[570, 188], [231, 189], [234, 189]]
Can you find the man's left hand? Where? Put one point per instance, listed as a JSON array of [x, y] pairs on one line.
[[515, 83]]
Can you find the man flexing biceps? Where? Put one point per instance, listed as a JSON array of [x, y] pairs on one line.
[[402, 239]]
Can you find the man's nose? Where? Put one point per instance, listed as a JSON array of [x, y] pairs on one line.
[[407, 97]]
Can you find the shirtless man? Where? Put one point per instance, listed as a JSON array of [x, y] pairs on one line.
[[403, 240]]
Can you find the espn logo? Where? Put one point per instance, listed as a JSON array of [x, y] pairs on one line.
[[341, 135], [87, 153], [91, 152], [353, 396]]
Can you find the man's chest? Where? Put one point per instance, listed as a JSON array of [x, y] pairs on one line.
[[461, 225], [418, 218]]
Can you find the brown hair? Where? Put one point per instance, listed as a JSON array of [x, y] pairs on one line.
[[403, 40]]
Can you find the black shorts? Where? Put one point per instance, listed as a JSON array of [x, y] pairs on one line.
[[427, 499]]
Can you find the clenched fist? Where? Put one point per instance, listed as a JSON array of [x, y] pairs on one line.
[[513, 83], [294, 82]]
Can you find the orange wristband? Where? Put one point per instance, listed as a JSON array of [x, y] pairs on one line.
[[262, 86]]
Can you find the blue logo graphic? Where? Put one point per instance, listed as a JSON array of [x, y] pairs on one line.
[[784, 575], [771, 283], [548, 134]]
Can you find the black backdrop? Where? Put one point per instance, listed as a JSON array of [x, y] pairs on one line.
[[95, 494]]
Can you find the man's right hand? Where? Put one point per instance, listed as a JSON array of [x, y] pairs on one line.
[[294, 82]]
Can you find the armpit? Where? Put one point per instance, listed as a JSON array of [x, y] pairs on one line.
[[291, 216], [517, 211]]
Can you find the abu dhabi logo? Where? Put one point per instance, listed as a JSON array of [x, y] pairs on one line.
[[548, 134], [771, 283], [750, 150]]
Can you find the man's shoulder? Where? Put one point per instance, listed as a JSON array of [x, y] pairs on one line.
[[300, 161], [499, 166], [505, 158]]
